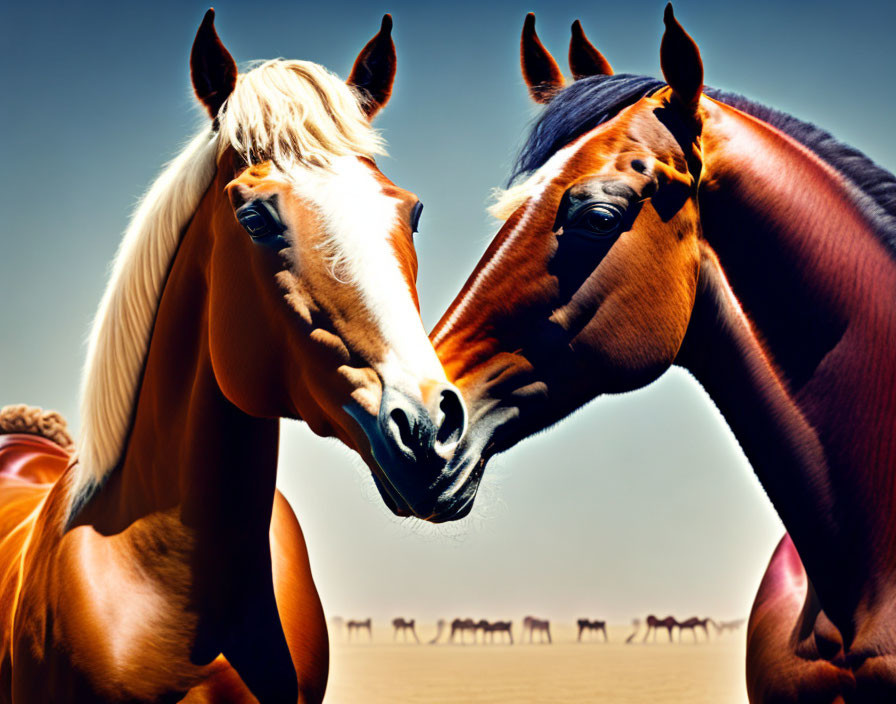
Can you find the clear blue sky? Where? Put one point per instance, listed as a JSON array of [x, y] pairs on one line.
[[638, 503]]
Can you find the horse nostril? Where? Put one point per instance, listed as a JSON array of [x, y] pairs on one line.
[[454, 418], [403, 425]]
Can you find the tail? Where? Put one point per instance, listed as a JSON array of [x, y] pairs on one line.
[[36, 421]]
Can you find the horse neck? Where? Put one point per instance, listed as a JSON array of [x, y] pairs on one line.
[[791, 336], [197, 460]]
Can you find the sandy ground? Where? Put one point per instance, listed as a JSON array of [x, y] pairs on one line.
[[383, 671]]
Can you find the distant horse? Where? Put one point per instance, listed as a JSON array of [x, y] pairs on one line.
[[728, 626], [440, 629], [585, 625], [532, 625], [692, 624], [269, 272], [499, 627], [636, 625], [399, 624], [653, 223], [462, 626], [480, 625], [336, 625], [654, 623], [355, 627]]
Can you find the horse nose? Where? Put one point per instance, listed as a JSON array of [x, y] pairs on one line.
[[450, 415], [417, 430]]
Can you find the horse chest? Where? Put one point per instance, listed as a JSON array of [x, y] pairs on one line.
[[795, 653], [97, 626]]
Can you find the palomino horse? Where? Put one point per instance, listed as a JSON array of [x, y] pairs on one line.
[[400, 624], [591, 626], [268, 273], [728, 626], [532, 625], [636, 626], [659, 223], [440, 629]]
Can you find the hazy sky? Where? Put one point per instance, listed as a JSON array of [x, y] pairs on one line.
[[638, 503]]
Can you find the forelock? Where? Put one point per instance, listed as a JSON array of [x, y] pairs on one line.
[[578, 109], [295, 113]]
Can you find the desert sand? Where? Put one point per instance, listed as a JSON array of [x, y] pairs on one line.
[[383, 671]]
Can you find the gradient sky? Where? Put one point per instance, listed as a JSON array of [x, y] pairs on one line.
[[638, 503]]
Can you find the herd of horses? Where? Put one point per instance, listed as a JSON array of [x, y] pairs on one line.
[[270, 272], [690, 624], [467, 630]]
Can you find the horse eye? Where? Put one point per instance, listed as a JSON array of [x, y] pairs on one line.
[[260, 219], [416, 212], [601, 219]]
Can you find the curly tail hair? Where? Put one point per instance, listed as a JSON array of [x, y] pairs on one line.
[[36, 421]]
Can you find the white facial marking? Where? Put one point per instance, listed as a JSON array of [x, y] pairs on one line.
[[359, 220]]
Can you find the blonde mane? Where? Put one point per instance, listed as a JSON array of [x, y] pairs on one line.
[[289, 112]]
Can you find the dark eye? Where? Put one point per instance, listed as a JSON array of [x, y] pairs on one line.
[[260, 219], [416, 212], [600, 219]]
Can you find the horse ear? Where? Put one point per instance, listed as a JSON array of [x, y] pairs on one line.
[[374, 69], [680, 61], [540, 71], [584, 59], [211, 66]]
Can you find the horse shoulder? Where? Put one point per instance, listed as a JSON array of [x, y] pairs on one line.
[[780, 668]]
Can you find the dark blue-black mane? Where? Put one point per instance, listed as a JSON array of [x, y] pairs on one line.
[[589, 102]]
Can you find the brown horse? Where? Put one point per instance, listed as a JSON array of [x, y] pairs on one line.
[[268, 273], [355, 627], [655, 223], [462, 626], [400, 624], [591, 626], [692, 624], [654, 624], [532, 625], [500, 627]]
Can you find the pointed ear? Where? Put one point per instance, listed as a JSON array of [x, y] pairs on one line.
[[680, 61], [540, 71], [374, 69], [584, 59], [211, 66]]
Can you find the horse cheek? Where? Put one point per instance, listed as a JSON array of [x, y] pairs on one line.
[[649, 282]]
